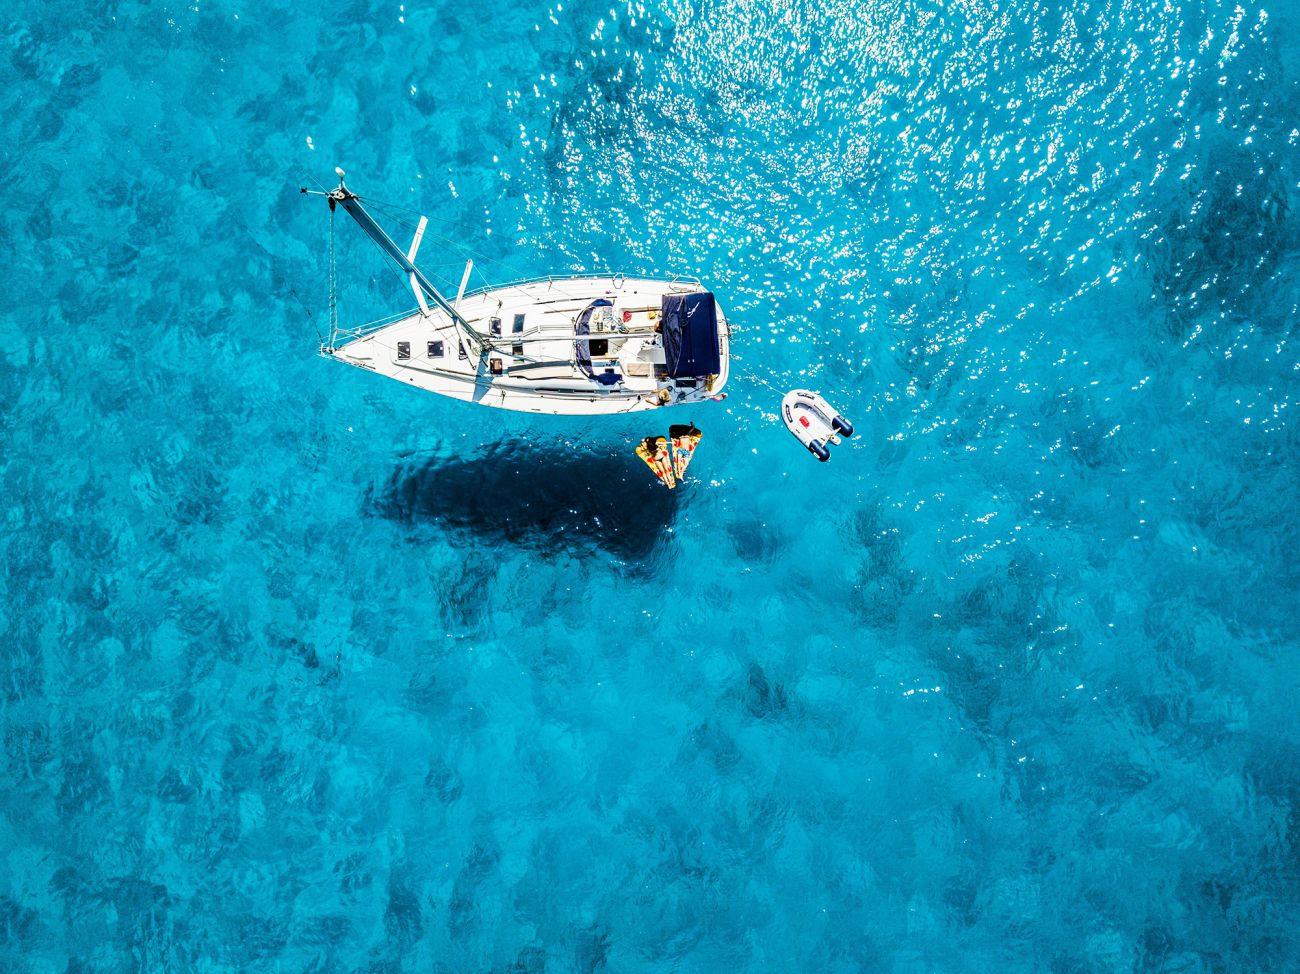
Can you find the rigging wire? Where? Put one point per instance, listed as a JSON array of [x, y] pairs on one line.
[[310, 316], [405, 284], [303, 172], [388, 209], [334, 302], [333, 273], [517, 272]]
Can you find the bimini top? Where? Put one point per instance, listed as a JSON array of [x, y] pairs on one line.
[[581, 329], [690, 333]]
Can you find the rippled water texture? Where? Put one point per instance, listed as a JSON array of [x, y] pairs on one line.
[[303, 671]]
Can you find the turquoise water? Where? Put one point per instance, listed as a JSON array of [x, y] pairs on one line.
[[303, 671]]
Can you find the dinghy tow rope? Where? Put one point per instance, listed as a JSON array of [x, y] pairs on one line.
[[762, 381]]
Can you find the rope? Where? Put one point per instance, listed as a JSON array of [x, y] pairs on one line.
[[752, 377], [456, 245], [387, 208], [334, 301], [310, 317], [307, 175]]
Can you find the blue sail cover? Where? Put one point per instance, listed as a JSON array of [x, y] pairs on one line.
[[690, 328]]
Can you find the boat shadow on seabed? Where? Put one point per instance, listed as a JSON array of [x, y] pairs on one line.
[[552, 497]]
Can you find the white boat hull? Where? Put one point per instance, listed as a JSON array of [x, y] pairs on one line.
[[531, 366]]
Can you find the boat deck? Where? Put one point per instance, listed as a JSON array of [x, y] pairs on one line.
[[532, 364]]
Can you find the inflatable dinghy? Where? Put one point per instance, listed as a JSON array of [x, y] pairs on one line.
[[814, 422]]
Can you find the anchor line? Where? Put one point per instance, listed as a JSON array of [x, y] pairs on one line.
[[334, 301]]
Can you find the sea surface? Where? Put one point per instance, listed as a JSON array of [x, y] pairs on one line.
[[304, 671]]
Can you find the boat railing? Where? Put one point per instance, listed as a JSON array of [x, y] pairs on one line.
[[344, 335], [370, 327], [559, 278]]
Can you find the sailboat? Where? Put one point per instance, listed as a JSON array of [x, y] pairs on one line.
[[580, 345]]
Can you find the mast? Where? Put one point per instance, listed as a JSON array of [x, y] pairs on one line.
[[420, 284]]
